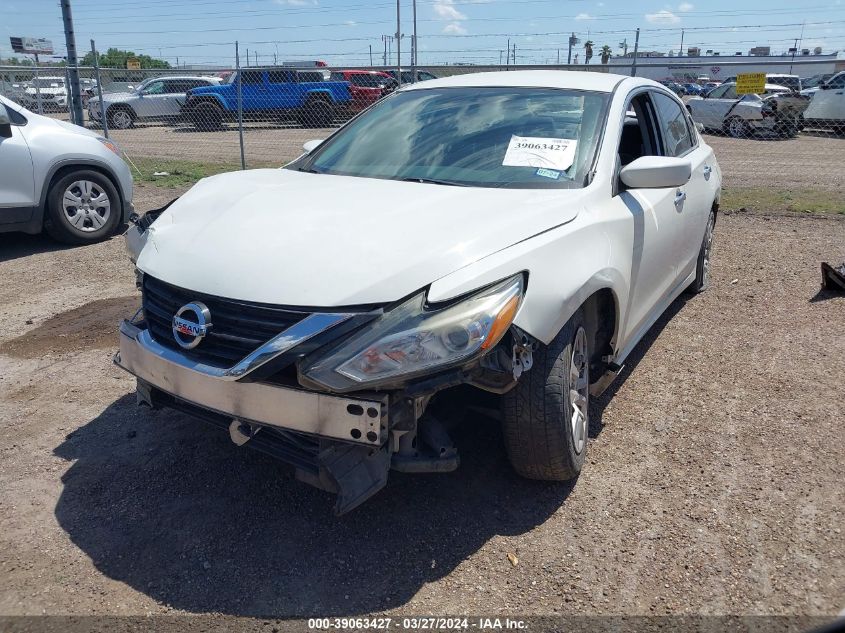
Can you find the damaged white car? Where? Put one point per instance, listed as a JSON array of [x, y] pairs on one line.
[[516, 232]]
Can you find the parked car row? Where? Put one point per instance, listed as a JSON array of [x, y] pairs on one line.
[[313, 97], [783, 109]]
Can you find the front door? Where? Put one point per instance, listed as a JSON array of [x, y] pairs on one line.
[[17, 184], [657, 227]]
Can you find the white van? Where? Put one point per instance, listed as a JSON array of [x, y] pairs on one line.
[[827, 105]]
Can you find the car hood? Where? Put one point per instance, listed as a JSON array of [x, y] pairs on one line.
[[114, 97], [291, 238], [47, 91]]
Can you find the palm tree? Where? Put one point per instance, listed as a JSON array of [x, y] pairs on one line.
[[588, 51], [606, 52]]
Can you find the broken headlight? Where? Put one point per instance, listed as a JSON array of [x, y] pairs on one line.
[[412, 339]]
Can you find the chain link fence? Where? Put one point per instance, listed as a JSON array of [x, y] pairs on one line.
[[782, 142]]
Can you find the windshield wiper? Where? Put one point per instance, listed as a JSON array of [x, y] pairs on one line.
[[434, 181]]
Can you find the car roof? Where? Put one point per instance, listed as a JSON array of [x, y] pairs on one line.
[[572, 79], [180, 78]]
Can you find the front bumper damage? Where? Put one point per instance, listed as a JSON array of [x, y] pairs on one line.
[[336, 443]]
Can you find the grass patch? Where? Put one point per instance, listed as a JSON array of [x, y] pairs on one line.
[[795, 200], [179, 172]]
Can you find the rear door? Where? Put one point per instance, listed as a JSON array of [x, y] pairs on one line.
[[282, 89], [692, 202]]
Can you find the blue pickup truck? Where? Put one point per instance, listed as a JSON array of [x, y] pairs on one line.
[[269, 94]]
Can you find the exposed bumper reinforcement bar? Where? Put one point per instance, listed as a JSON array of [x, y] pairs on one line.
[[356, 420]]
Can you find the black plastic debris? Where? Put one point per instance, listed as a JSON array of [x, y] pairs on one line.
[[833, 278]]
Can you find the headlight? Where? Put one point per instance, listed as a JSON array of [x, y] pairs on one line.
[[109, 144], [411, 340]]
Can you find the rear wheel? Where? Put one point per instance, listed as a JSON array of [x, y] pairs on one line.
[[546, 416], [207, 116], [702, 265], [317, 113], [83, 206]]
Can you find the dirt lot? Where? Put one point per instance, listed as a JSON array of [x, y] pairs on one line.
[[713, 483]]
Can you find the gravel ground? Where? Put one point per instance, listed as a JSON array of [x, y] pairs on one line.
[[713, 483]]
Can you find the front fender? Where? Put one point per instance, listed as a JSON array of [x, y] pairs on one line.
[[565, 267]]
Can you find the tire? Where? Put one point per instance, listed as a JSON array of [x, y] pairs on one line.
[[737, 128], [207, 116], [537, 415], [702, 264], [84, 223], [121, 118], [317, 113]]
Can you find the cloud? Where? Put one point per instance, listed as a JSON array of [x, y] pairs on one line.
[[454, 28], [298, 3], [350, 23], [685, 7], [445, 10], [662, 17], [584, 16]]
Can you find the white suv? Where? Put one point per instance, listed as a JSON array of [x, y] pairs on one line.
[[827, 105], [59, 177]]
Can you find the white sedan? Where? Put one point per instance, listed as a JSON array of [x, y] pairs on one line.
[[741, 116], [514, 232]]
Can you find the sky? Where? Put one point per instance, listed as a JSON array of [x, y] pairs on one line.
[[342, 32]]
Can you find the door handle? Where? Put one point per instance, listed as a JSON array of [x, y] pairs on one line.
[[707, 170], [680, 196]]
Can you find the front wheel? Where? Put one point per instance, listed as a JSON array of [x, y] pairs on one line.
[[83, 206], [120, 118], [546, 416], [317, 113], [737, 128]]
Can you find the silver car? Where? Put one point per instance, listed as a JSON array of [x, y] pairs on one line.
[[59, 177], [155, 99]]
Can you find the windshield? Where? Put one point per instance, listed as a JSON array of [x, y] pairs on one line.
[[486, 137], [793, 83]]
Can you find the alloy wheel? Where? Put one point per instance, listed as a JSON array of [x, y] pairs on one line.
[[579, 390]]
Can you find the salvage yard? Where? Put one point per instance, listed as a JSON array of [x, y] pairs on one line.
[[713, 483]]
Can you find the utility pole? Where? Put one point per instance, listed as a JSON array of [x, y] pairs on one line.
[[103, 117], [247, 54], [384, 56], [415, 49], [398, 46], [72, 64], [681, 52], [558, 57], [500, 57], [624, 46], [371, 54], [514, 53], [508, 59], [636, 47]]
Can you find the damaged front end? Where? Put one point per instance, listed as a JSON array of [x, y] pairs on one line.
[[343, 396]]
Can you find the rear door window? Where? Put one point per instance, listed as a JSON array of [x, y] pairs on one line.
[[251, 77], [278, 76]]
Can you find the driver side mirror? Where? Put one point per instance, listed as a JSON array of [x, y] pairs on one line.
[[310, 146], [656, 172], [5, 123]]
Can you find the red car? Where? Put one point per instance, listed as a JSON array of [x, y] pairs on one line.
[[365, 86]]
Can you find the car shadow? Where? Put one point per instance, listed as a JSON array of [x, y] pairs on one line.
[[15, 245], [172, 508]]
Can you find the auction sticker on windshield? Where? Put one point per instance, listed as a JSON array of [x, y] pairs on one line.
[[538, 151]]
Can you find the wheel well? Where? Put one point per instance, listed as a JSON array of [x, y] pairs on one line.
[[121, 106], [66, 169], [600, 319], [204, 100]]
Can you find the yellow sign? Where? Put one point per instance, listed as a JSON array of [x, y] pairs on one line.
[[133, 63], [751, 83]]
